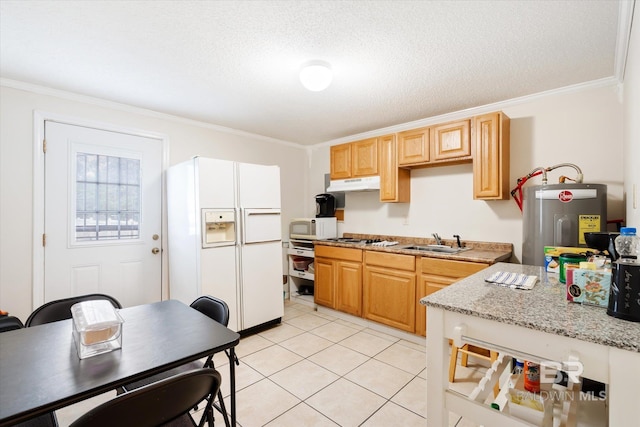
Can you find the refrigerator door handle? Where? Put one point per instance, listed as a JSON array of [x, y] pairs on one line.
[[240, 226], [260, 225]]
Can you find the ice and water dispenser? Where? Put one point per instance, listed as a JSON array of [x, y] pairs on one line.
[[218, 227]]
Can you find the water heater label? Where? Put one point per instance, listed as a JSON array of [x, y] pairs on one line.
[[566, 196], [587, 224]]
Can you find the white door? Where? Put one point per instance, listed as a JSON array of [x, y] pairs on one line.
[[103, 193]]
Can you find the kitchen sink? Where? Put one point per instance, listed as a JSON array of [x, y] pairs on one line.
[[437, 248]]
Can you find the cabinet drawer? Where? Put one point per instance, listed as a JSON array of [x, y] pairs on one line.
[[450, 268], [301, 252], [389, 260], [347, 254]]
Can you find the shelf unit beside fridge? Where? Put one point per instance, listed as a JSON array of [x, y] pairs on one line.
[[301, 275]]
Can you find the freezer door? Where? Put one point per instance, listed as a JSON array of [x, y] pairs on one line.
[[259, 186], [215, 183], [262, 297], [260, 225]]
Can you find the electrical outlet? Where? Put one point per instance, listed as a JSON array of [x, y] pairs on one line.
[[635, 196], [405, 220]]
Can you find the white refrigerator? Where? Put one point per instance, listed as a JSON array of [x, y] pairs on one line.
[[225, 237]]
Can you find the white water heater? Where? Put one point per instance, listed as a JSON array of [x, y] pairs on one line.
[[559, 215]]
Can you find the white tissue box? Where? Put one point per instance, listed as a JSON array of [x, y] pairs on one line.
[[97, 328]]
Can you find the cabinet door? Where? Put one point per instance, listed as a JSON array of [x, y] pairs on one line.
[[364, 161], [340, 161], [451, 141], [427, 285], [491, 157], [390, 297], [413, 147], [324, 290], [349, 287], [394, 182]]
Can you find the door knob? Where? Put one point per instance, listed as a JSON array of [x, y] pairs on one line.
[[155, 251]]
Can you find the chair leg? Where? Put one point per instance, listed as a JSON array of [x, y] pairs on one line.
[[452, 363], [464, 360], [496, 386]]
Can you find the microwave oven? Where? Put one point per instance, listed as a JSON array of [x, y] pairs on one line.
[[313, 228]]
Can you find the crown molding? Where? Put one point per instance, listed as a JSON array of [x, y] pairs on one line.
[[474, 111], [625, 19], [71, 96]]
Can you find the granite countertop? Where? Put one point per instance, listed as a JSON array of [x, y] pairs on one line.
[[544, 308], [486, 252]]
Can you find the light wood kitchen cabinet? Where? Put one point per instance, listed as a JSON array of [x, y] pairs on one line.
[[364, 161], [395, 182], [451, 141], [340, 161], [491, 157], [338, 278], [435, 274], [354, 159], [389, 290], [413, 147]]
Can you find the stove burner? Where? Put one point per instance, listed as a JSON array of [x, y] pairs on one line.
[[344, 240]]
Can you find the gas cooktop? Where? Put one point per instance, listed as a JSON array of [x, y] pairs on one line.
[[373, 242]]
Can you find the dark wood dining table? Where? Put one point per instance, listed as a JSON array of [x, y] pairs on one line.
[[40, 370]]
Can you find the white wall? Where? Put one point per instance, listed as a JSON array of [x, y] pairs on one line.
[[186, 140], [631, 132], [583, 127]]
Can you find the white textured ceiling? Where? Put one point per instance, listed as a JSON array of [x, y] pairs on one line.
[[235, 63]]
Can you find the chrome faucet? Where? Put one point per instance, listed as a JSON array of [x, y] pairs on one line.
[[438, 240]]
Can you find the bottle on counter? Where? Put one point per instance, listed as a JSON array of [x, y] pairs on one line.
[[627, 243], [531, 377]]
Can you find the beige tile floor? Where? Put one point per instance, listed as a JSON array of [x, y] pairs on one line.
[[315, 369]]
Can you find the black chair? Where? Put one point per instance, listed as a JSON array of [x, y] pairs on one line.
[[10, 323], [218, 310], [61, 309], [163, 403]]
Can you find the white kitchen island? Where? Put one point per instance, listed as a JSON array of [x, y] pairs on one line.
[[540, 325]]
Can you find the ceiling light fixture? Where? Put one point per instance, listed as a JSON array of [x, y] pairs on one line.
[[316, 75]]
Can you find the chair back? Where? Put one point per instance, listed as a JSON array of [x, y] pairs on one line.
[[155, 404], [9, 323], [61, 309], [213, 307]]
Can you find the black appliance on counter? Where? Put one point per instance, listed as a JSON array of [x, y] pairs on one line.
[[325, 205]]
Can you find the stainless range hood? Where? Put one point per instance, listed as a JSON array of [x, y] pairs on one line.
[[367, 183]]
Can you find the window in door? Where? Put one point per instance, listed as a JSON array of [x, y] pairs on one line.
[[107, 198]]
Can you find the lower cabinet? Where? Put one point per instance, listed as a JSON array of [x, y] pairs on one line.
[[382, 286], [436, 274], [389, 291], [338, 279]]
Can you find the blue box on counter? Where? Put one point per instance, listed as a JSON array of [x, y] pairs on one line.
[[587, 286]]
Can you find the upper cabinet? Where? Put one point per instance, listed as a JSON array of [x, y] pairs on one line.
[[451, 141], [364, 157], [413, 147], [483, 140], [341, 161], [354, 159], [447, 142], [491, 157], [395, 184]]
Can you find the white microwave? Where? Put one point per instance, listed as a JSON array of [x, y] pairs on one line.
[[313, 228]]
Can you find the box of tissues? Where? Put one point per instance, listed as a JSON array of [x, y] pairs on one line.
[[589, 286], [97, 328]]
